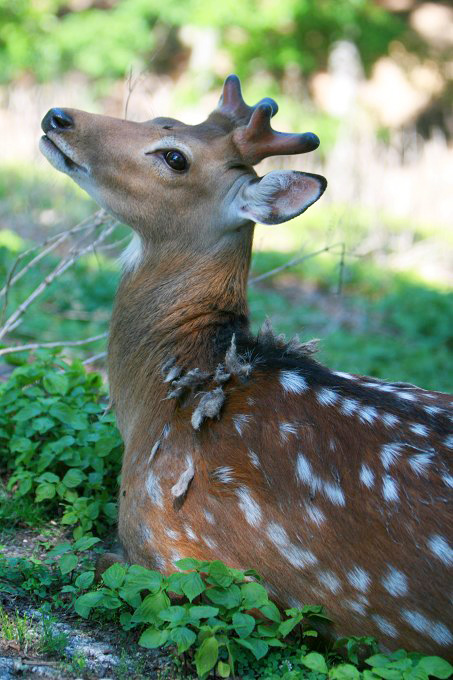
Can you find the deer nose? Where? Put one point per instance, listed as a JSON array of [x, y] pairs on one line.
[[57, 119]]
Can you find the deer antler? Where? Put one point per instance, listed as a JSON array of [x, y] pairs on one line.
[[253, 136]]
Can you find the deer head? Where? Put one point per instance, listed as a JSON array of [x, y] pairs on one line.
[[191, 185]]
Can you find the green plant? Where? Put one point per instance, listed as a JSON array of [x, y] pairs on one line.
[[53, 582], [16, 627], [52, 642], [58, 444]]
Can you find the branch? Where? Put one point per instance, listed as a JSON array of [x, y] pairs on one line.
[[55, 273], [46, 345], [94, 358], [295, 260]]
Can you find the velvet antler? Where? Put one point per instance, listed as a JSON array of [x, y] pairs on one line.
[[253, 136]]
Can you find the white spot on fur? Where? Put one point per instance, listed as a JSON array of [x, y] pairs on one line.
[[224, 474], [384, 626], [154, 451], [440, 549], [406, 395], [255, 461], [154, 489], [329, 581], [389, 419], [349, 406], [449, 441], [448, 480], [315, 514], [389, 489], [419, 429], [292, 553], [419, 622], [366, 476], [209, 517], [166, 431], [132, 256], [395, 582], [174, 535], [306, 476], [368, 414], [326, 396], [209, 542], [334, 493], [359, 579], [181, 486], [248, 505], [432, 410], [360, 607], [190, 533], [286, 429], [420, 462], [293, 382], [341, 374], [390, 454], [240, 421]]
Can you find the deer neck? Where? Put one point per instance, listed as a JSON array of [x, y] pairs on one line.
[[177, 305]]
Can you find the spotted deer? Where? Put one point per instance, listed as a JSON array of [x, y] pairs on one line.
[[334, 486]]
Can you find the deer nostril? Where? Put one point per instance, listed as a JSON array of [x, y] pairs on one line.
[[57, 119]]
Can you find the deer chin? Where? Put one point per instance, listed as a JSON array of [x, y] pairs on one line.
[[60, 159]]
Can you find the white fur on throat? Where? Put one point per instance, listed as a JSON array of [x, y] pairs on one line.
[[132, 255]]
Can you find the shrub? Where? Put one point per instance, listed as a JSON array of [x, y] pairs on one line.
[[58, 443]]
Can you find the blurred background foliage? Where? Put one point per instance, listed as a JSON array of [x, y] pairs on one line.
[[373, 78]]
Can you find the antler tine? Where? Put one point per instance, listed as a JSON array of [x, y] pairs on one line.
[[258, 140], [232, 104]]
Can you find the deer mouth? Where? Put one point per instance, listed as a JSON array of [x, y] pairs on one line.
[[61, 160]]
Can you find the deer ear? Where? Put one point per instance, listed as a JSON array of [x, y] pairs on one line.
[[278, 196]]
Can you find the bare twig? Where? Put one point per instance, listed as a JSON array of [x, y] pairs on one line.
[[94, 358], [55, 273], [47, 345], [49, 245], [295, 260]]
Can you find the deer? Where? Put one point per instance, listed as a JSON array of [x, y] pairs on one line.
[[333, 486]]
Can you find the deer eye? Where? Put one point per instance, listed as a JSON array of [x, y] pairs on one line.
[[176, 160]]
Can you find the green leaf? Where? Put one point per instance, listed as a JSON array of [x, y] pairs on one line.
[[192, 585], [86, 602], [42, 424], [139, 578], [271, 612], [203, 612], [436, 667], [174, 614], [243, 624], [220, 574], [85, 543], [259, 648], [48, 477], [206, 655], [152, 638], [67, 563], [183, 637], [223, 669], [56, 383], [73, 478], [85, 579], [45, 492], [113, 577], [345, 671], [187, 563], [68, 416], [149, 609], [28, 412], [287, 626], [254, 595], [59, 549], [315, 662], [228, 598]]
